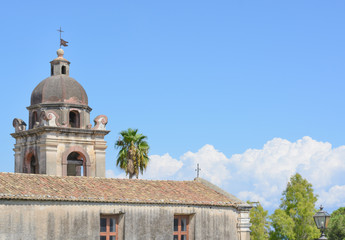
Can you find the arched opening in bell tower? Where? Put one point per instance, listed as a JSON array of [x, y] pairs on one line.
[[74, 119], [63, 69], [30, 164], [76, 164]]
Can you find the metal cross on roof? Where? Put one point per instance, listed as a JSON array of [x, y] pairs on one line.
[[197, 170]]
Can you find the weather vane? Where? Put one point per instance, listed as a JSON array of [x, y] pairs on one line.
[[62, 42], [197, 170]]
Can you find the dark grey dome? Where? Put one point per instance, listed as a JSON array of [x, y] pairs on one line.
[[59, 89]]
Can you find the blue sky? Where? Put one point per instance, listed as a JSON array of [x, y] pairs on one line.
[[253, 90]]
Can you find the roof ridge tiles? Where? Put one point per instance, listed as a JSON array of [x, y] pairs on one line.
[[98, 189], [91, 177]]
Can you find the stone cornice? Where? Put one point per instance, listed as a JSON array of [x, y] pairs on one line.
[[58, 59], [45, 129], [244, 207], [59, 105]]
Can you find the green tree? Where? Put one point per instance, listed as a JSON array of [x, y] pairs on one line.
[[283, 226], [133, 155], [336, 226], [260, 225], [294, 218]]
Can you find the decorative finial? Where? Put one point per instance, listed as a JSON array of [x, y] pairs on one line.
[[60, 53], [321, 207]]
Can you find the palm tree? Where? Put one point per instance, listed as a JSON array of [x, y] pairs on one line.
[[133, 155]]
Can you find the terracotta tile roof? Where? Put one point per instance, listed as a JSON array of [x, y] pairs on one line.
[[87, 189]]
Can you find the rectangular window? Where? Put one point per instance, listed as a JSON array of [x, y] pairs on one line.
[[181, 224], [109, 227]]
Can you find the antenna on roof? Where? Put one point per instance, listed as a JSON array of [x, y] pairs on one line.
[[197, 170]]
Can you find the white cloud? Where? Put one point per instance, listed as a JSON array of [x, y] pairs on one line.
[[262, 174], [253, 197], [212, 163], [266, 171], [159, 167], [162, 167], [335, 196]]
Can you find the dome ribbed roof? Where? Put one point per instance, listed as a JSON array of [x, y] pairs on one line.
[[59, 89]]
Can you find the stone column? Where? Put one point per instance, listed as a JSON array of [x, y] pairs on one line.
[[63, 116], [18, 163], [48, 156], [100, 147], [244, 224]]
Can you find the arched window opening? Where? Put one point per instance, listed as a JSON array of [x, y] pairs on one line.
[[33, 164], [34, 119], [74, 121], [76, 164], [51, 70], [63, 70], [30, 164]]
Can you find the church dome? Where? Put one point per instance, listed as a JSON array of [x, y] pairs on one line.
[[59, 89]]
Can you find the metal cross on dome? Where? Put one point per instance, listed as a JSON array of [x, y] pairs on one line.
[[62, 42]]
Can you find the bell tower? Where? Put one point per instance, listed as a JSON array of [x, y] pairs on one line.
[[59, 139]]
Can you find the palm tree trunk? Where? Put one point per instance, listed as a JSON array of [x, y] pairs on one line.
[[130, 165], [130, 168]]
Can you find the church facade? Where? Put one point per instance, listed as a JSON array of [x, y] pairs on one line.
[[59, 189]]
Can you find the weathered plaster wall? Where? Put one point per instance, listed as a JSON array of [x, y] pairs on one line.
[[69, 220]]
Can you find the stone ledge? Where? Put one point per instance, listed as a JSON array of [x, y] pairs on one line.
[[44, 129]]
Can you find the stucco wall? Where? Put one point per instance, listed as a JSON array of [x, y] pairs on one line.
[[69, 220]]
